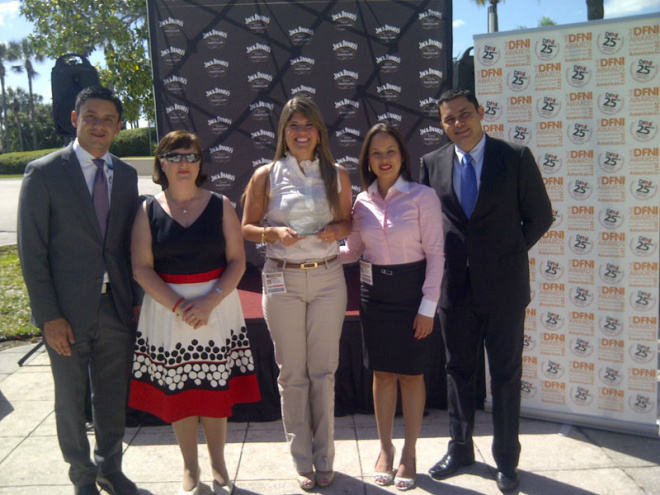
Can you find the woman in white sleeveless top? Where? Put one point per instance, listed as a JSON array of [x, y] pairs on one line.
[[300, 206]]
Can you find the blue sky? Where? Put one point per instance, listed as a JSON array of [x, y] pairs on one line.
[[469, 20]]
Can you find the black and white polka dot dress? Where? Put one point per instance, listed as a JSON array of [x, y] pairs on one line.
[[178, 371]]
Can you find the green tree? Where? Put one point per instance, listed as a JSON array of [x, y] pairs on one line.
[[546, 21], [117, 28], [17, 123], [4, 57], [45, 126], [20, 133], [28, 53], [543, 22], [595, 9]]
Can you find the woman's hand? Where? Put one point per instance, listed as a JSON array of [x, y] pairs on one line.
[[286, 235], [196, 312], [328, 233], [423, 326]]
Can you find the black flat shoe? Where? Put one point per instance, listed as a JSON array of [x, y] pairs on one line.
[[86, 490], [116, 484], [448, 466], [507, 482]]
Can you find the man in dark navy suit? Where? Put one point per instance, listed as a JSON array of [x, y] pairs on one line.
[[495, 207]]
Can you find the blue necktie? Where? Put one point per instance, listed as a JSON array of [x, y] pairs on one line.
[[100, 195], [468, 185]]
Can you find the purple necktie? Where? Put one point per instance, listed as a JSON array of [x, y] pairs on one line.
[[100, 195], [468, 185]]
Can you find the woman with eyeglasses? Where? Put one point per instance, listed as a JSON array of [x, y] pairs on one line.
[[192, 357], [299, 206]]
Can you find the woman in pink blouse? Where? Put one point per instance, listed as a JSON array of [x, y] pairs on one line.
[[397, 229]]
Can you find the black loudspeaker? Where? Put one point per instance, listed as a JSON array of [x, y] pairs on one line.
[[71, 74], [464, 71]]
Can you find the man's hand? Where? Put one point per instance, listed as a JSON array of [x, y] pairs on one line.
[[59, 336]]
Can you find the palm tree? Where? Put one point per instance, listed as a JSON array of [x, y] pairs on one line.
[[492, 14], [28, 53], [595, 9], [17, 112], [4, 49]]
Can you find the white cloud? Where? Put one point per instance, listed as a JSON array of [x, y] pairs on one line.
[[619, 8], [458, 23], [8, 11]]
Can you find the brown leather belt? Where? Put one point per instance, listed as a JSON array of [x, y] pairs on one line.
[[304, 266]]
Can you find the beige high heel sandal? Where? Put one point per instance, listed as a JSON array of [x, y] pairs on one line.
[[384, 479]]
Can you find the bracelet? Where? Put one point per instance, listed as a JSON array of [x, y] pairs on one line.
[[177, 304], [263, 235]]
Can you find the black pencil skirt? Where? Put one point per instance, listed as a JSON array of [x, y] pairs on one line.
[[387, 311]]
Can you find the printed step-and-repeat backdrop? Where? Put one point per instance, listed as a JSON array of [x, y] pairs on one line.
[[586, 99], [224, 70]]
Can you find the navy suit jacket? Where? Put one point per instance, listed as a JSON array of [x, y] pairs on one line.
[[512, 212], [62, 254]]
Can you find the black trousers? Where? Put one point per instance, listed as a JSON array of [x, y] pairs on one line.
[[104, 356], [466, 331]]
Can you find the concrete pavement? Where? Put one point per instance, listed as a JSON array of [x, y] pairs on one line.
[[556, 459], [9, 189]]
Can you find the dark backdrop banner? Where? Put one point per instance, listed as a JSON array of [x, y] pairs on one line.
[[224, 70]]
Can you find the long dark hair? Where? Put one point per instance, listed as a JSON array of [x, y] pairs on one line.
[[365, 171]]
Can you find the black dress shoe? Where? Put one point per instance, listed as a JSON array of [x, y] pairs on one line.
[[507, 482], [116, 484], [448, 466], [86, 490]]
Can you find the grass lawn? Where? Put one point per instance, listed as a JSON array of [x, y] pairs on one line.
[[14, 303]]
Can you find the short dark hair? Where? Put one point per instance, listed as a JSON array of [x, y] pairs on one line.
[[367, 175], [100, 93], [450, 94], [172, 141]]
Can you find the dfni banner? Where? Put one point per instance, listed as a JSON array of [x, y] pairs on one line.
[[224, 70], [586, 99]]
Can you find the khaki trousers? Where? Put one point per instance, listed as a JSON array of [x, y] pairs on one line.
[[305, 324]]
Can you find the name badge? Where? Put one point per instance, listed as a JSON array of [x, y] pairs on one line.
[[366, 275], [274, 283]]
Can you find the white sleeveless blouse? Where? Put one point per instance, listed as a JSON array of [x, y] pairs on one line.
[[299, 201]]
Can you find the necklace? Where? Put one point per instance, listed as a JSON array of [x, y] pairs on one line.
[[176, 203]]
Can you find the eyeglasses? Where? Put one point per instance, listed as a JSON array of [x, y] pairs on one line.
[[176, 157]]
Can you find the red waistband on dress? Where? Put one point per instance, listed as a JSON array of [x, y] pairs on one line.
[[191, 278]]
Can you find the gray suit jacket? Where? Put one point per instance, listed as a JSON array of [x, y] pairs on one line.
[[512, 212], [62, 254]]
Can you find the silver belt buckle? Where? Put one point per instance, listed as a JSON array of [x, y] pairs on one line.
[[384, 271]]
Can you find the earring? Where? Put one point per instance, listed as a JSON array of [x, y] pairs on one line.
[[285, 149]]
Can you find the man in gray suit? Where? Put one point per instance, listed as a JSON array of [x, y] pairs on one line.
[[75, 213], [494, 208]]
